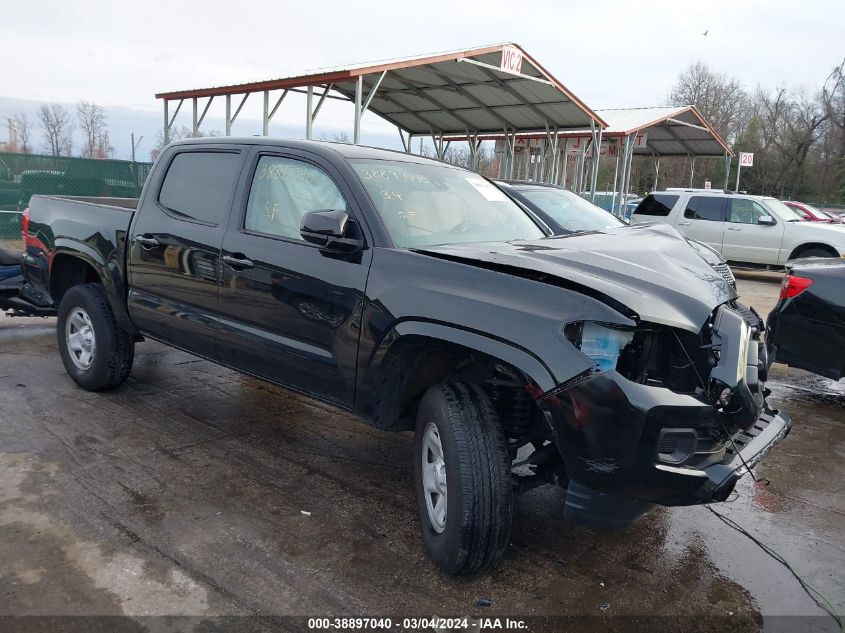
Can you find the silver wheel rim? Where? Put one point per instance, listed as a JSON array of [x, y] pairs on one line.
[[79, 338], [434, 477]]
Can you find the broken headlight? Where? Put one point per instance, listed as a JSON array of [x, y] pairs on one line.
[[599, 342]]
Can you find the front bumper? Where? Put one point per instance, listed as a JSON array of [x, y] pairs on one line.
[[609, 431]]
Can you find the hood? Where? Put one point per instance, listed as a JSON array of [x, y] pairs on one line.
[[650, 269], [829, 233]]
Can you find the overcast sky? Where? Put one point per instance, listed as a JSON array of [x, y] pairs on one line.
[[614, 53]]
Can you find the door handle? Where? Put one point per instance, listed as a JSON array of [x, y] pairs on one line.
[[238, 261], [734, 228], [146, 241], [683, 223]]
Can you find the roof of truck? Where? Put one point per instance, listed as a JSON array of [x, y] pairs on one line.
[[345, 150]]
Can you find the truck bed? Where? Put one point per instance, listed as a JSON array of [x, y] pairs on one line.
[[96, 228]]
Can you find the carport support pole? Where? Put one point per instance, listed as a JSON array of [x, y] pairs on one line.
[[194, 117], [359, 91], [656, 172], [582, 162], [596, 160], [622, 177], [615, 176], [309, 104], [691, 170], [166, 123], [228, 115], [265, 118], [540, 170], [727, 168], [565, 160], [628, 176], [510, 140], [555, 156]]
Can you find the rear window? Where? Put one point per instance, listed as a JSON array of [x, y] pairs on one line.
[[659, 204], [705, 208], [198, 185]]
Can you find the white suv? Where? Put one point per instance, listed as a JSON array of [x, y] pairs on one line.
[[743, 228]]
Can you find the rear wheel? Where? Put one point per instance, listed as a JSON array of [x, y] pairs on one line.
[[96, 353], [463, 481]]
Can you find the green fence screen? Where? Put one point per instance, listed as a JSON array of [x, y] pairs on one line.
[[23, 175]]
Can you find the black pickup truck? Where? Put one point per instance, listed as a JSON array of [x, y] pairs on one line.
[[419, 296]]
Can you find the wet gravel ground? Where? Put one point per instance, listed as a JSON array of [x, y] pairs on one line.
[[192, 490]]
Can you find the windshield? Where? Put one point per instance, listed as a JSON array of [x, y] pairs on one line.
[[426, 205], [780, 210], [817, 212], [569, 210]]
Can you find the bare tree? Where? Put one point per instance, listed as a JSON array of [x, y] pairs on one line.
[[721, 99], [23, 128], [833, 100], [57, 128], [177, 134], [92, 119]]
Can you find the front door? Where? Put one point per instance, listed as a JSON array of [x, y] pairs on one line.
[[290, 310], [703, 219], [174, 249], [748, 241]]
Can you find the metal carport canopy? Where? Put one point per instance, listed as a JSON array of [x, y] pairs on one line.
[[653, 131], [491, 89], [669, 130]]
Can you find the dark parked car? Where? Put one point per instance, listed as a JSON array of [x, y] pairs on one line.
[[806, 329], [11, 278], [418, 296], [13, 298]]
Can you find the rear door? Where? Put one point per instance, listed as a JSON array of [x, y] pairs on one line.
[[745, 239], [703, 218], [174, 248], [290, 310]]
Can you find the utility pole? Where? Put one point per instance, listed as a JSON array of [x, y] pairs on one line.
[[135, 145]]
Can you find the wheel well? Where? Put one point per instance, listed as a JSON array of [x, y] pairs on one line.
[[68, 271], [413, 365], [813, 245]]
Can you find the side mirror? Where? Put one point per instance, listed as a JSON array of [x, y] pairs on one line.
[[766, 220], [330, 229]]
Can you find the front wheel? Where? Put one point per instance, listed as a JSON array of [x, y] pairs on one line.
[[814, 252], [463, 480], [96, 353]]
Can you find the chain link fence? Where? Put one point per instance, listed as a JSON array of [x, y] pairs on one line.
[[24, 175]]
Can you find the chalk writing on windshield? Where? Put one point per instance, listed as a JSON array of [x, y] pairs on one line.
[[386, 175]]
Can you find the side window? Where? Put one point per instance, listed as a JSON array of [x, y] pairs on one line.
[[283, 190], [746, 211], [705, 208], [198, 185], [656, 204]]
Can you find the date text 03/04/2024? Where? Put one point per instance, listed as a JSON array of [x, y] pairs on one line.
[[413, 624]]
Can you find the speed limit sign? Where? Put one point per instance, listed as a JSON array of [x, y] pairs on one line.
[[746, 159]]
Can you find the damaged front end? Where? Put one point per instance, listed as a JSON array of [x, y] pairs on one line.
[[665, 417]]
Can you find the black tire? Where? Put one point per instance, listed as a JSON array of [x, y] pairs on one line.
[[814, 252], [114, 350], [479, 494]]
